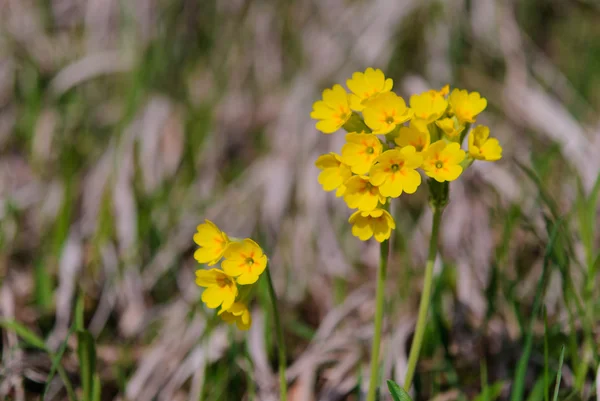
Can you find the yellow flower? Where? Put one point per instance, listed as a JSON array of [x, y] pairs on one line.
[[360, 150], [384, 112], [451, 127], [366, 85], [378, 223], [466, 105], [412, 136], [245, 260], [212, 242], [442, 161], [428, 106], [334, 173], [482, 147], [361, 194], [220, 288], [238, 313], [445, 90], [395, 172], [333, 111]]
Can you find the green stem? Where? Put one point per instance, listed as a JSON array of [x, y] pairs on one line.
[[379, 301], [280, 339], [415, 348]]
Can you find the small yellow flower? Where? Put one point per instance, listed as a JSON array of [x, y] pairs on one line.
[[385, 111], [466, 105], [445, 90], [378, 223], [245, 260], [220, 288], [451, 127], [442, 161], [333, 111], [238, 313], [395, 172], [366, 85], [482, 147], [361, 194], [428, 106], [212, 242], [360, 150], [334, 173], [412, 136]]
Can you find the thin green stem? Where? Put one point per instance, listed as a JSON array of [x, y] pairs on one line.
[[379, 301], [415, 348], [280, 339]]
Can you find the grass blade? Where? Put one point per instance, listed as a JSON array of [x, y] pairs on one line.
[[27, 335], [56, 360], [398, 393], [86, 351], [559, 373]]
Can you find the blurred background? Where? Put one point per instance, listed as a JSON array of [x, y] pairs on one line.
[[124, 124]]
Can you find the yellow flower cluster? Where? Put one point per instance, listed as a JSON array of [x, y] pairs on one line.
[[371, 169], [243, 263]]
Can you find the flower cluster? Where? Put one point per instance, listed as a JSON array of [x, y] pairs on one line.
[[390, 141], [243, 263]]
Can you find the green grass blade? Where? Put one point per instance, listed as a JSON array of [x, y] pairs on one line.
[[546, 359], [97, 388], [398, 393], [86, 351], [559, 373], [56, 360], [27, 335]]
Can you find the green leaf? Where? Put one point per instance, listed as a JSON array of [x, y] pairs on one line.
[[27, 335], [559, 373], [97, 389], [398, 393], [490, 393], [86, 351]]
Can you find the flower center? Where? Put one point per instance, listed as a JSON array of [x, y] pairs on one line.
[[395, 167], [439, 164], [370, 150], [224, 281], [389, 120], [249, 261]]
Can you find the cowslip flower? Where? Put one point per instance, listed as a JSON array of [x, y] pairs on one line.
[[212, 242], [451, 127], [395, 172], [378, 223], [412, 136], [360, 150], [221, 289], [333, 111], [428, 106], [385, 111], [333, 173], [365, 85], [466, 105], [244, 260], [361, 194], [482, 147], [442, 161], [239, 314]]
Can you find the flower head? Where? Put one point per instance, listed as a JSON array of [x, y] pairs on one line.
[[466, 105], [361, 194], [238, 313], [333, 111], [245, 260], [334, 173], [451, 127], [395, 171], [220, 288], [428, 106], [442, 161], [385, 111], [212, 242], [365, 85], [360, 150], [482, 147], [412, 136], [378, 223]]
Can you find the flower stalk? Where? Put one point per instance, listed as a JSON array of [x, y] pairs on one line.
[[280, 338]]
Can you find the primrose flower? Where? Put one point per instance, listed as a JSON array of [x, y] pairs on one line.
[[220, 288], [482, 147], [442, 161], [378, 223], [238, 313], [333, 111], [451, 127], [366, 85], [428, 106], [466, 105], [212, 242], [384, 112], [334, 173], [360, 150], [395, 171], [412, 136], [245, 260], [361, 194]]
